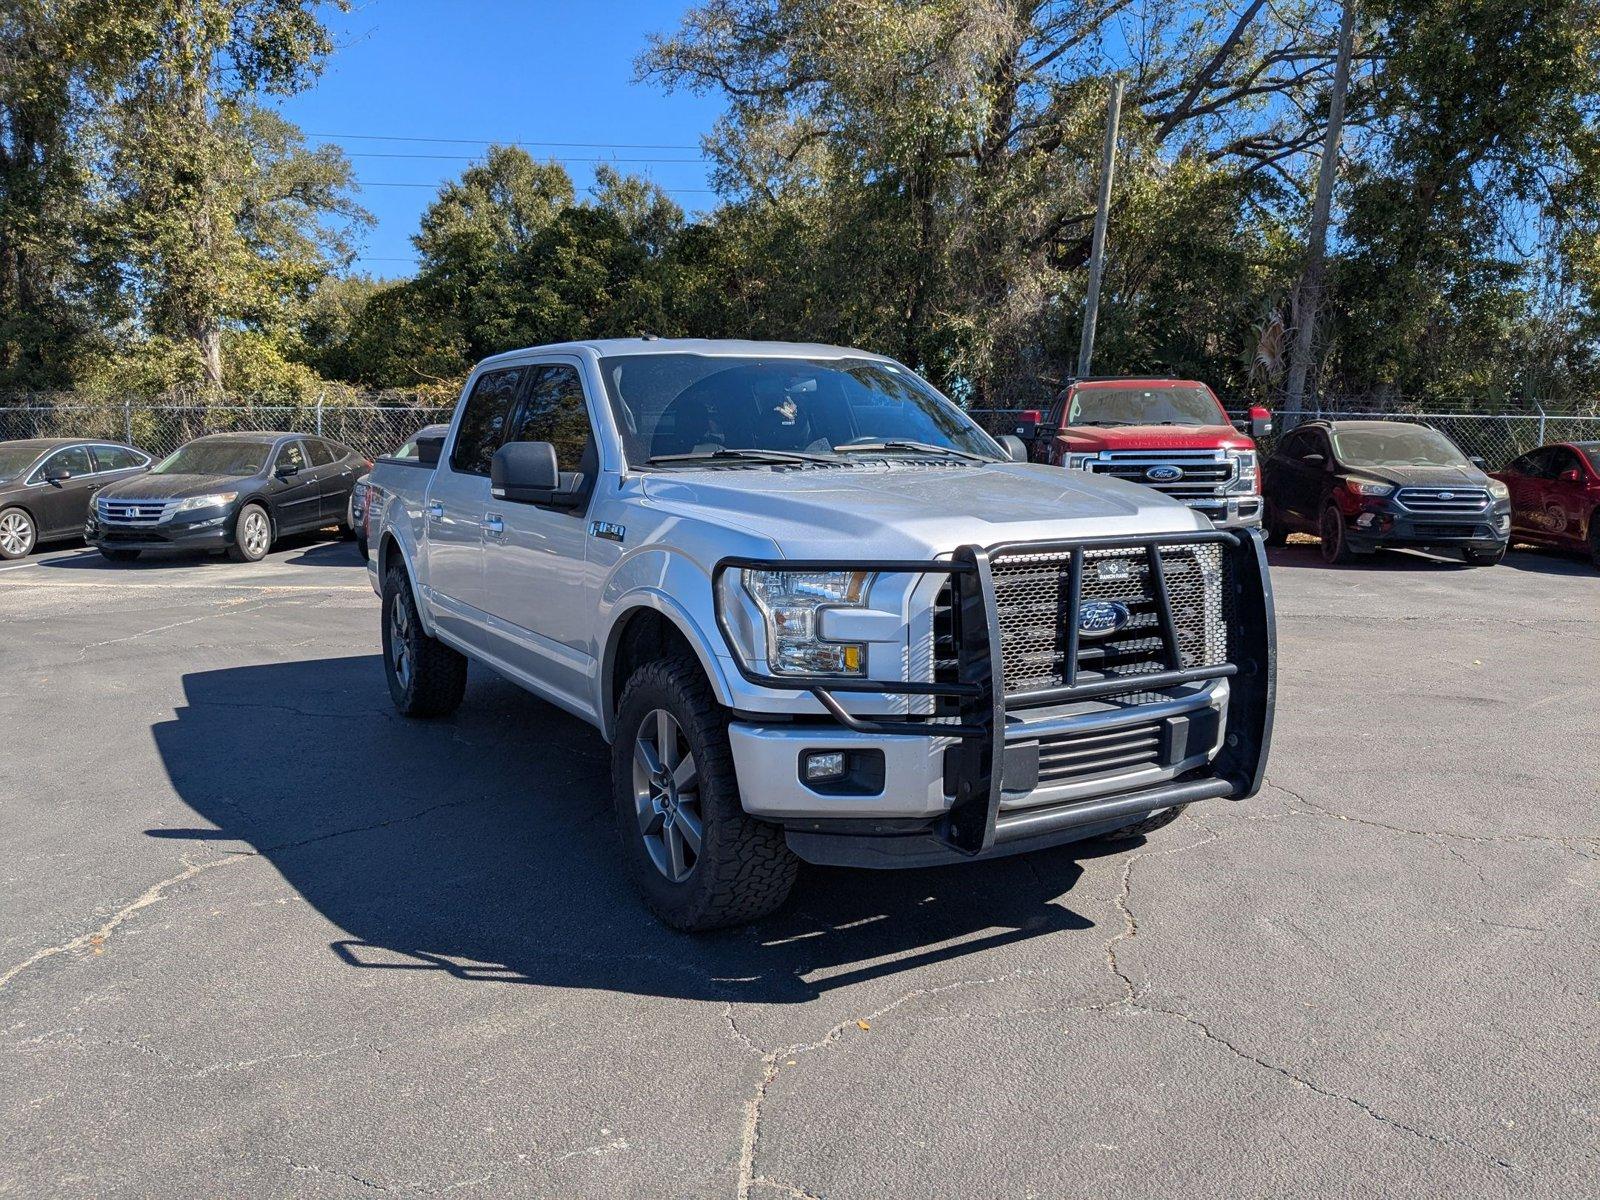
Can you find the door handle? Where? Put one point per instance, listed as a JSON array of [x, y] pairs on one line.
[[495, 525], [435, 510]]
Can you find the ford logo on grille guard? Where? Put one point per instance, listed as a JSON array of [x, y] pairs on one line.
[[1165, 473], [1101, 618]]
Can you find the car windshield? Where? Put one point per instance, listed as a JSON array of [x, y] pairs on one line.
[[14, 460], [690, 406], [1396, 446], [215, 458], [1175, 405]]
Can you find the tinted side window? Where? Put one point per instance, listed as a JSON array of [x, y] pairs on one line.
[[1562, 459], [1293, 445], [74, 459], [484, 420], [554, 411], [290, 456], [320, 452], [115, 458]]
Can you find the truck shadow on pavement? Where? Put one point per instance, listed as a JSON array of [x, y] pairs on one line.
[[482, 847]]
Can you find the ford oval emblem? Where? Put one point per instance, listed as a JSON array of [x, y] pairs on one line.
[[1101, 618], [1164, 473], [1447, 495]]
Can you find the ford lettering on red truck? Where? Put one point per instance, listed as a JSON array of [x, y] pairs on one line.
[[818, 613], [1169, 434]]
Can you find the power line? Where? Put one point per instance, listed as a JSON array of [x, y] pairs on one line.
[[475, 158], [389, 137], [446, 182]]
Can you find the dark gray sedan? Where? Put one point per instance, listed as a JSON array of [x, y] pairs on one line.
[[46, 485]]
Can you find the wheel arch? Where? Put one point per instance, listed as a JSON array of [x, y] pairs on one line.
[[389, 553], [647, 626]]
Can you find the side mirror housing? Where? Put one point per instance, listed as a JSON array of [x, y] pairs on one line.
[[526, 473], [57, 475], [430, 449], [1260, 422], [287, 471], [1478, 461], [1571, 475], [1027, 428], [1014, 446], [1314, 460]]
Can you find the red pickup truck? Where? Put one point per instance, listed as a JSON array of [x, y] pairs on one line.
[[1169, 434]]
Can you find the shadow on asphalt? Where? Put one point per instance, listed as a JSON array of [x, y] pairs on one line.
[[1546, 561], [313, 549], [1304, 555], [482, 847]]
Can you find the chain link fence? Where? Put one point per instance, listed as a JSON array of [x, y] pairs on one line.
[[1497, 438], [159, 429]]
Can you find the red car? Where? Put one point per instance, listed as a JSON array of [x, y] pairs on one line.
[[1555, 496]]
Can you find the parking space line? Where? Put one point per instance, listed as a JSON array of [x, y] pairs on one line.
[[103, 584]]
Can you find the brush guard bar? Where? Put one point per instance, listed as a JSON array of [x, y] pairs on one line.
[[971, 824]]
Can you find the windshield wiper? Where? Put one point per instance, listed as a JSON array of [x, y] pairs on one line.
[[748, 454], [907, 444]]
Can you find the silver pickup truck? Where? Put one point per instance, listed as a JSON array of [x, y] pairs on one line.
[[818, 614]]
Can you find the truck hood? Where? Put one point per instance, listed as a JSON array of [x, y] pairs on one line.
[[173, 487], [913, 511], [1090, 439]]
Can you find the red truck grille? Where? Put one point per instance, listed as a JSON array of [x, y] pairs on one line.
[[1200, 473]]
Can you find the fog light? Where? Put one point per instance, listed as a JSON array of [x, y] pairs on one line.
[[1364, 520], [823, 766]]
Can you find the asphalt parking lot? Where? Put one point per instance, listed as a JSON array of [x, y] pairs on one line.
[[261, 937]]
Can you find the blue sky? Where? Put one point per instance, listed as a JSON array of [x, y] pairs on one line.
[[473, 71]]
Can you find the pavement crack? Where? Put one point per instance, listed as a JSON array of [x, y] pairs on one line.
[[96, 937]]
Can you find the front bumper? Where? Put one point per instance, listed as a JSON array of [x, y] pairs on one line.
[[1002, 777], [1229, 512], [1393, 525], [208, 532]]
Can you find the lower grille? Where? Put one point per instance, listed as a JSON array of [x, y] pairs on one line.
[[1452, 531], [1032, 596], [1074, 756]]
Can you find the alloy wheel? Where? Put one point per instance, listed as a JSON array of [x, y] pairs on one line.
[[400, 641], [256, 533], [666, 795], [16, 534]]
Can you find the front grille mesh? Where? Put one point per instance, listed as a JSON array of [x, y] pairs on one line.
[[1441, 501], [1031, 596], [1068, 757]]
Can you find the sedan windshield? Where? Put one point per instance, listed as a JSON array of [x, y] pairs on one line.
[[1144, 406], [14, 460], [215, 458], [694, 407], [1396, 446]]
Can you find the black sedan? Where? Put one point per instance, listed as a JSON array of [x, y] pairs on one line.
[[237, 492], [1363, 485], [46, 485]]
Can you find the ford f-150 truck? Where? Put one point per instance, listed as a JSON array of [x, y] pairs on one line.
[[1169, 434], [818, 613]]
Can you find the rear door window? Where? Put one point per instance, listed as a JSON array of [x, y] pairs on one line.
[[483, 421], [320, 452], [116, 458]]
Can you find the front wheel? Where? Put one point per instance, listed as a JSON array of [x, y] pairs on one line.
[[1146, 824], [17, 534], [697, 858], [1335, 544], [252, 534], [1272, 526], [426, 677], [1594, 537]]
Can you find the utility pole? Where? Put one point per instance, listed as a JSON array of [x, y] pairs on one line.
[[1317, 242], [1097, 252]]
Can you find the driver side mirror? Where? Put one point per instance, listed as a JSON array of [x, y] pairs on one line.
[[1260, 422], [57, 475], [1027, 426], [1478, 461], [1313, 460], [526, 473], [287, 471]]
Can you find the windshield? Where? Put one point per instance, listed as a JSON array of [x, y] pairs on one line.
[[14, 460], [215, 458], [669, 405], [1396, 446], [1144, 406]]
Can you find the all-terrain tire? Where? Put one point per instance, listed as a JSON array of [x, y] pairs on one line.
[[426, 677], [1145, 825], [743, 869], [252, 534]]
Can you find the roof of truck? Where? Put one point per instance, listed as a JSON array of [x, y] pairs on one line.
[[617, 347]]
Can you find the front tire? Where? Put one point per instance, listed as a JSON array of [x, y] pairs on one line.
[[18, 534], [1594, 538], [252, 534], [1144, 826], [1272, 526], [426, 677], [697, 858], [1335, 544], [118, 554]]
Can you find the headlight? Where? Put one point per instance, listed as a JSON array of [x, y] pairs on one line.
[[790, 602], [215, 500], [1499, 490], [1080, 462], [1244, 475], [1365, 487]]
